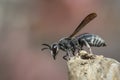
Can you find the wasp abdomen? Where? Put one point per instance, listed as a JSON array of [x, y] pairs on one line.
[[92, 39]]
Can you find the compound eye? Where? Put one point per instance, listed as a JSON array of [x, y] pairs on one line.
[[55, 48]]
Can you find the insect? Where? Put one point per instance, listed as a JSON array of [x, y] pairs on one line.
[[74, 43]]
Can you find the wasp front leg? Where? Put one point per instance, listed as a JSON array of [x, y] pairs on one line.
[[67, 55]]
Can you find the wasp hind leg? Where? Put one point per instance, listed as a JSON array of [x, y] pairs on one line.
[[86, 43]]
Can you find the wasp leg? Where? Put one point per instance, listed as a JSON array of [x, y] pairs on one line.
[[67, 54], [64, 57], [86, 43], [73, 52], [79, 49]]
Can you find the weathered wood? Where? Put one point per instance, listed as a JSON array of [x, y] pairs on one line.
[[85, 66]]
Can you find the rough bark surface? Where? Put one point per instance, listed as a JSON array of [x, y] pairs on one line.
[[85, 66]]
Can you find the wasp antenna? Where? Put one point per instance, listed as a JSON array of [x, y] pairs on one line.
[[47, 45], [44, 49]]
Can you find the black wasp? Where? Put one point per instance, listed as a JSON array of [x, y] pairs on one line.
[[71, 44]]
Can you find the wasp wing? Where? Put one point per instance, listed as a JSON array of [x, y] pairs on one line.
[[85, 21]]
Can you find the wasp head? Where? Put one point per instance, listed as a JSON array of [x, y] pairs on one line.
[[53, 48]]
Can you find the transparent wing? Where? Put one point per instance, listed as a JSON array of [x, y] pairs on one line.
[[85, 21]]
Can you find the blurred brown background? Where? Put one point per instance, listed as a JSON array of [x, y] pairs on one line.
[[26, 24]]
